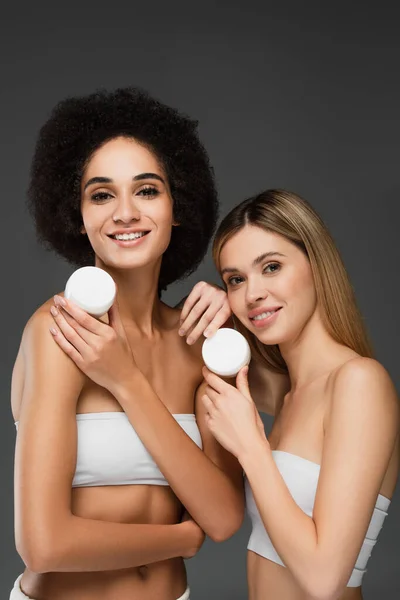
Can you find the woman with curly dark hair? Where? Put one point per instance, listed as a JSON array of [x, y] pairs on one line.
[[112, 445]]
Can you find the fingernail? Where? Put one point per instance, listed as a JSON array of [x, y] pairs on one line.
[[181, 332], [207, 332], [60, 300], [54, 311], [189, 341], [53, 331]]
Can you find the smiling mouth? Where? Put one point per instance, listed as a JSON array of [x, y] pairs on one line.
[[128, 237], [264, 315]]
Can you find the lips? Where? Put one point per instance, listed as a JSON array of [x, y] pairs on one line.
[[260, 311], [265, 318], [128, 232], [130, 243]]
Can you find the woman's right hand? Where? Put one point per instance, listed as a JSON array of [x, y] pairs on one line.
[[205, 310], [195, 536]]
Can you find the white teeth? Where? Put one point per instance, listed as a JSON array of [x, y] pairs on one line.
[[263, 315], [129, 236]]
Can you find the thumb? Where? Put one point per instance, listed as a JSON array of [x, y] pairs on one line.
[[114, 319], [242, 383]]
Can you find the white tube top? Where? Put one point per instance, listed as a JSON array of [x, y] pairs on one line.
[[301, 477], [109, 451]]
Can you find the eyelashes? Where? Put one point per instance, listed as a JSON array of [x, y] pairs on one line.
[[232, 281], [147, 191], [276, 266], [100, 196], [269, 269]]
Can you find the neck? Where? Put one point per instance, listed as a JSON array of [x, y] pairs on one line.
[[312, 354], [137, 294]]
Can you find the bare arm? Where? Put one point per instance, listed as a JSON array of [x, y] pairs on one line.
[[209, 491], [48, 536], [363, 424], [209, 483]]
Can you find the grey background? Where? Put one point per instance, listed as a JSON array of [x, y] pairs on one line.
[[297, 95]]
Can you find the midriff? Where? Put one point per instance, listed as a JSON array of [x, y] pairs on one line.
[[148, 504]]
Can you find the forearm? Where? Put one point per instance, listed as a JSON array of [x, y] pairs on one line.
[[208, 494], [91, 545], [292, 532]]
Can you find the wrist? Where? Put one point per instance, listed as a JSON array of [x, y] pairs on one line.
[[188, 536], [126, 387], [254, 452]]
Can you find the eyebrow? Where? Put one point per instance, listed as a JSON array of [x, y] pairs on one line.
[[255, 262], [139, 177]]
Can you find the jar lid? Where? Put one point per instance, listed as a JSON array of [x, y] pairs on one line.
[[92, 289], [226, 352]]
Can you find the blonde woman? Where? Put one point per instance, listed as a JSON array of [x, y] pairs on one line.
[[319, 488]]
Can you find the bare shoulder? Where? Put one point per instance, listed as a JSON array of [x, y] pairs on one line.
[[194, 351], [171, 315], [44, 363], [363, 387], [362, 373], [37, 323], [37, 341]]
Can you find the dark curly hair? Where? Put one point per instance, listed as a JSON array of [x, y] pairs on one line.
[[79, 126]]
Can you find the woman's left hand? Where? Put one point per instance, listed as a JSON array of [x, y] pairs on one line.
[[232, 416], [101, 351]]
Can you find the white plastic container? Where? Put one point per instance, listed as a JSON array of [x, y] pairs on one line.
[[92, 289], [226, 352]]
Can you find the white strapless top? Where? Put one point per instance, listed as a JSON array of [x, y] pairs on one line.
[[110, 452], [301, 477]]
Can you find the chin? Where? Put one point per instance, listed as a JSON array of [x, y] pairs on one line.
[[125, 263], [269, 338]]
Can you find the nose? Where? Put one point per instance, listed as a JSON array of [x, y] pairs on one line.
[[255, 291], [126, 210]]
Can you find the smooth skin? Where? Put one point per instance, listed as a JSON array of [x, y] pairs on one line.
[[341, 412], [117, 541]]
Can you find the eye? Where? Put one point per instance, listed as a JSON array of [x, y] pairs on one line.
[[100, 196], [272, 268], [149, 191], [233, 281]]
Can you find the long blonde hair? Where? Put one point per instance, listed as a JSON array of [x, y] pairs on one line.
[[290, 216]]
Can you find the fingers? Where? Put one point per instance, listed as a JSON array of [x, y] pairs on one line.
[[199, 311], [219, 320], [66, 330], [191, 300], [210, 322], [242, 383], [60, 315], [216, 382], [82, 317], [208, 404], [66, 346], [205, 303], [214, 396]]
